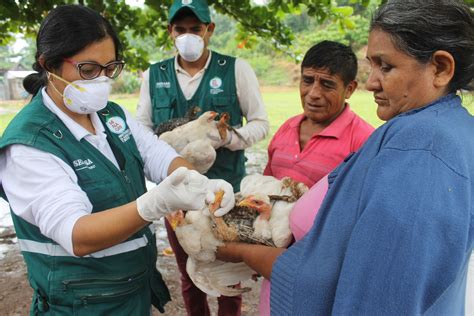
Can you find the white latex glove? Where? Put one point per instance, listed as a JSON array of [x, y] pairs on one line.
[[184, 189], [228, 201]]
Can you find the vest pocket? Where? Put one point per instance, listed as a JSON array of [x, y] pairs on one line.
[[115, 295], [162, 108], [223, 103]]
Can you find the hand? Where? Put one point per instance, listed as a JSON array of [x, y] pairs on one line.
[[228, 200], [183, 189], [227, 140]]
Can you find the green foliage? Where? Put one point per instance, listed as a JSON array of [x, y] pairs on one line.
[[127, 83], [253, 21]]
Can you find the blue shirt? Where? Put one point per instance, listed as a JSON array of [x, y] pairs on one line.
[[395, 231]]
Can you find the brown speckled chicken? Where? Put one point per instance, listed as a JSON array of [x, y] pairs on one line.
[[261, 215], [171, 124]]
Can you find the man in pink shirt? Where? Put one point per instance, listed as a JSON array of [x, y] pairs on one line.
[[309, 146]]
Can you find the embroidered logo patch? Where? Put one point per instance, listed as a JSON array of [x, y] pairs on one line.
[[116, 125], [81, 164], [163, 85], [215, 85]]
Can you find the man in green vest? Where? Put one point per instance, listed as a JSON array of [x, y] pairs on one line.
[[197, 76]]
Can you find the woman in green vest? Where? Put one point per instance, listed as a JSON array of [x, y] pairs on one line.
[[73, 168]]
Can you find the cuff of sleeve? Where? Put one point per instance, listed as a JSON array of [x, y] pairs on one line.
[[168, 159], [64, 237]]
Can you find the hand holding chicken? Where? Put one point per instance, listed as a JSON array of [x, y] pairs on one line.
[[261, 215]]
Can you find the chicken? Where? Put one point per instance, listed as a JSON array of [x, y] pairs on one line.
[[198, 140], [260, 216], [171, 124]]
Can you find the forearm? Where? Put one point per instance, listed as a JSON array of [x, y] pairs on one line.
[[250, 134], [179, 162], [258, 257], [104, 229]]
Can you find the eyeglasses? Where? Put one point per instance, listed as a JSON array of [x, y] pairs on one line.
[[89, 70]]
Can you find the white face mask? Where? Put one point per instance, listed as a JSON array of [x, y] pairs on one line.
[[85, 96], [190, 46]]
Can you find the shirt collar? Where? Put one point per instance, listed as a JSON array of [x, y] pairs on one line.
[[336, 127], [77, 130], [181, 69]]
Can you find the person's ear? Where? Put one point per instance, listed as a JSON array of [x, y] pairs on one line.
[[350, 88], [444, 66], [211, 27], [42, 63], [170, 29]]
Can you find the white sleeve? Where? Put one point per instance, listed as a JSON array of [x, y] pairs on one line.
[[157, 155], [42, 189], [251, 104], [144, 112]]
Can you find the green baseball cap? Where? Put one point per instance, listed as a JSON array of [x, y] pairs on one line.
[[199, 7]]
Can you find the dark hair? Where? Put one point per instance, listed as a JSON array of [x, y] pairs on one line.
[[419, 28], [337, 58], [66, 31]]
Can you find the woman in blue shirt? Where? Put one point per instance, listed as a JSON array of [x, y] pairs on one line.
[[395, 232]]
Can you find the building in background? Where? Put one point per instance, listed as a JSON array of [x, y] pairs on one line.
[[11, 84]]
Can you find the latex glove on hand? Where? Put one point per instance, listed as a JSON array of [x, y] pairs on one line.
[[184, 189], [228, 200]]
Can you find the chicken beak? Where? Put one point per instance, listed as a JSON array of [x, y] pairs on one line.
[[246, 202], [217, 202], [212, 115]]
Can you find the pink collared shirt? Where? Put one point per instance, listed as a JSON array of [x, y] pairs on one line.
[[346, 134], [323, 152]]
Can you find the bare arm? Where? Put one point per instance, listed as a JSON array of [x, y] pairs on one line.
[[258, 257], [104, 229], [179, 162]]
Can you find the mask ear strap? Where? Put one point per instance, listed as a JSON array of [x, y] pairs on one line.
[[205, 32], [49, 74], [66, 82], [68, 101]]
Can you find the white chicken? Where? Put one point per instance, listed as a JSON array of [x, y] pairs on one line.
[[261, 216], [198, 139]]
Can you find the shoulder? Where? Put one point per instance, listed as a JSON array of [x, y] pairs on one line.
[[360, 128], [162, 62], [241, 65], [357, 121], [445, 133], [290, 124], [28, 122], [222, 56]]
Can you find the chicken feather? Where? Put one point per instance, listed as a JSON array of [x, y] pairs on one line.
[[267, 223]]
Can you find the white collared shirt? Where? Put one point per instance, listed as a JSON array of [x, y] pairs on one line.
[[42, 189], [248, 93]]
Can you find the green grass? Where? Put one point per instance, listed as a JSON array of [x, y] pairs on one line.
[[280, 104]]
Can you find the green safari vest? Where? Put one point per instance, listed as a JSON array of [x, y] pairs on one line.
[[120, 280], [216, 92]]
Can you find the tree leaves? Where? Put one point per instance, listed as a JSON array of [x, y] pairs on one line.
[[262, 21]]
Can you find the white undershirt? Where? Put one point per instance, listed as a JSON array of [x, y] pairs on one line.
[[42, 189], [248, 93]]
